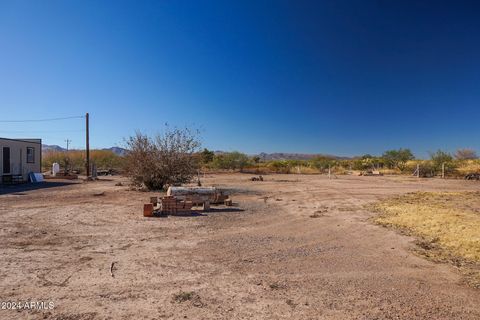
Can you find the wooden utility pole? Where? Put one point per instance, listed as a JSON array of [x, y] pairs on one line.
[[87, 146], [68, 143]]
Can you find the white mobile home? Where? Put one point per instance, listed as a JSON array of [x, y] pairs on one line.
[[18, 158]]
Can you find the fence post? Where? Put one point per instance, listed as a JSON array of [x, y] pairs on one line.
[[443, 170]]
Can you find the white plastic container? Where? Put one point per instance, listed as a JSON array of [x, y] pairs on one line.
[[55, 169]]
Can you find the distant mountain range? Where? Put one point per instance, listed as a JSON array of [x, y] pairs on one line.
[[53, 147], [117, 150], [264, 156], [295, 156], [288, 156]]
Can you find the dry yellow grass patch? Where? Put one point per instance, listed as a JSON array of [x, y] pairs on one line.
[[448, 223], [469, 166]]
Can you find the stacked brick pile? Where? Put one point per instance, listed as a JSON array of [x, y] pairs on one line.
[[171, 205], [182, 204]]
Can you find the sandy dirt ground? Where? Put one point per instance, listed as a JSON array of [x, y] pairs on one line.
[[265, 258]]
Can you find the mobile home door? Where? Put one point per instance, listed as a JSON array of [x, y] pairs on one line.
[[6, 160]]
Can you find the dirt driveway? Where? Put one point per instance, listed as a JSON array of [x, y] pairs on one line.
[[265, 259]]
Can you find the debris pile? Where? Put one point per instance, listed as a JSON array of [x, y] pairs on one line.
[[371, 173], [181, 200], [472, 176]]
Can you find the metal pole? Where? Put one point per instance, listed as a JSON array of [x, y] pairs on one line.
[[87, 145], [418, 170]]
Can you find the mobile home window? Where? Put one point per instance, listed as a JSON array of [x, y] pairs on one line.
[[30, 155]]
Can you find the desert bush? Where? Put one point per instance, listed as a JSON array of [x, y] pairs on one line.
[[306, 170], [74, 160], [468, 166], [231, 161], [427, 169], [397, 158], [279, 166], [206, 156], [166, 159], [366, 162], [465, 154], [358, 164], [439, 158], [322, 163], [106, 159], [64, 159]]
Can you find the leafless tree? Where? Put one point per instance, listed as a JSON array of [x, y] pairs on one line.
[[166, 159], [466, 154]]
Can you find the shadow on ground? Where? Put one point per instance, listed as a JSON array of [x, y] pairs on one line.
[[224, 210], [196, 213], [18, 189]]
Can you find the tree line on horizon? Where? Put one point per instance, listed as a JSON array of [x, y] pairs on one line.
[[400, 160], [175, 157], [391, 159]]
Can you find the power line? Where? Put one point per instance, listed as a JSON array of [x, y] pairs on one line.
[[42, 120], [40, 131]]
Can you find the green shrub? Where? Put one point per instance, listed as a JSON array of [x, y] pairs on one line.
[[397, 159], [440, 158]]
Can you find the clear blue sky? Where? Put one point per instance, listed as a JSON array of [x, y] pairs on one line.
[[338, 77]]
